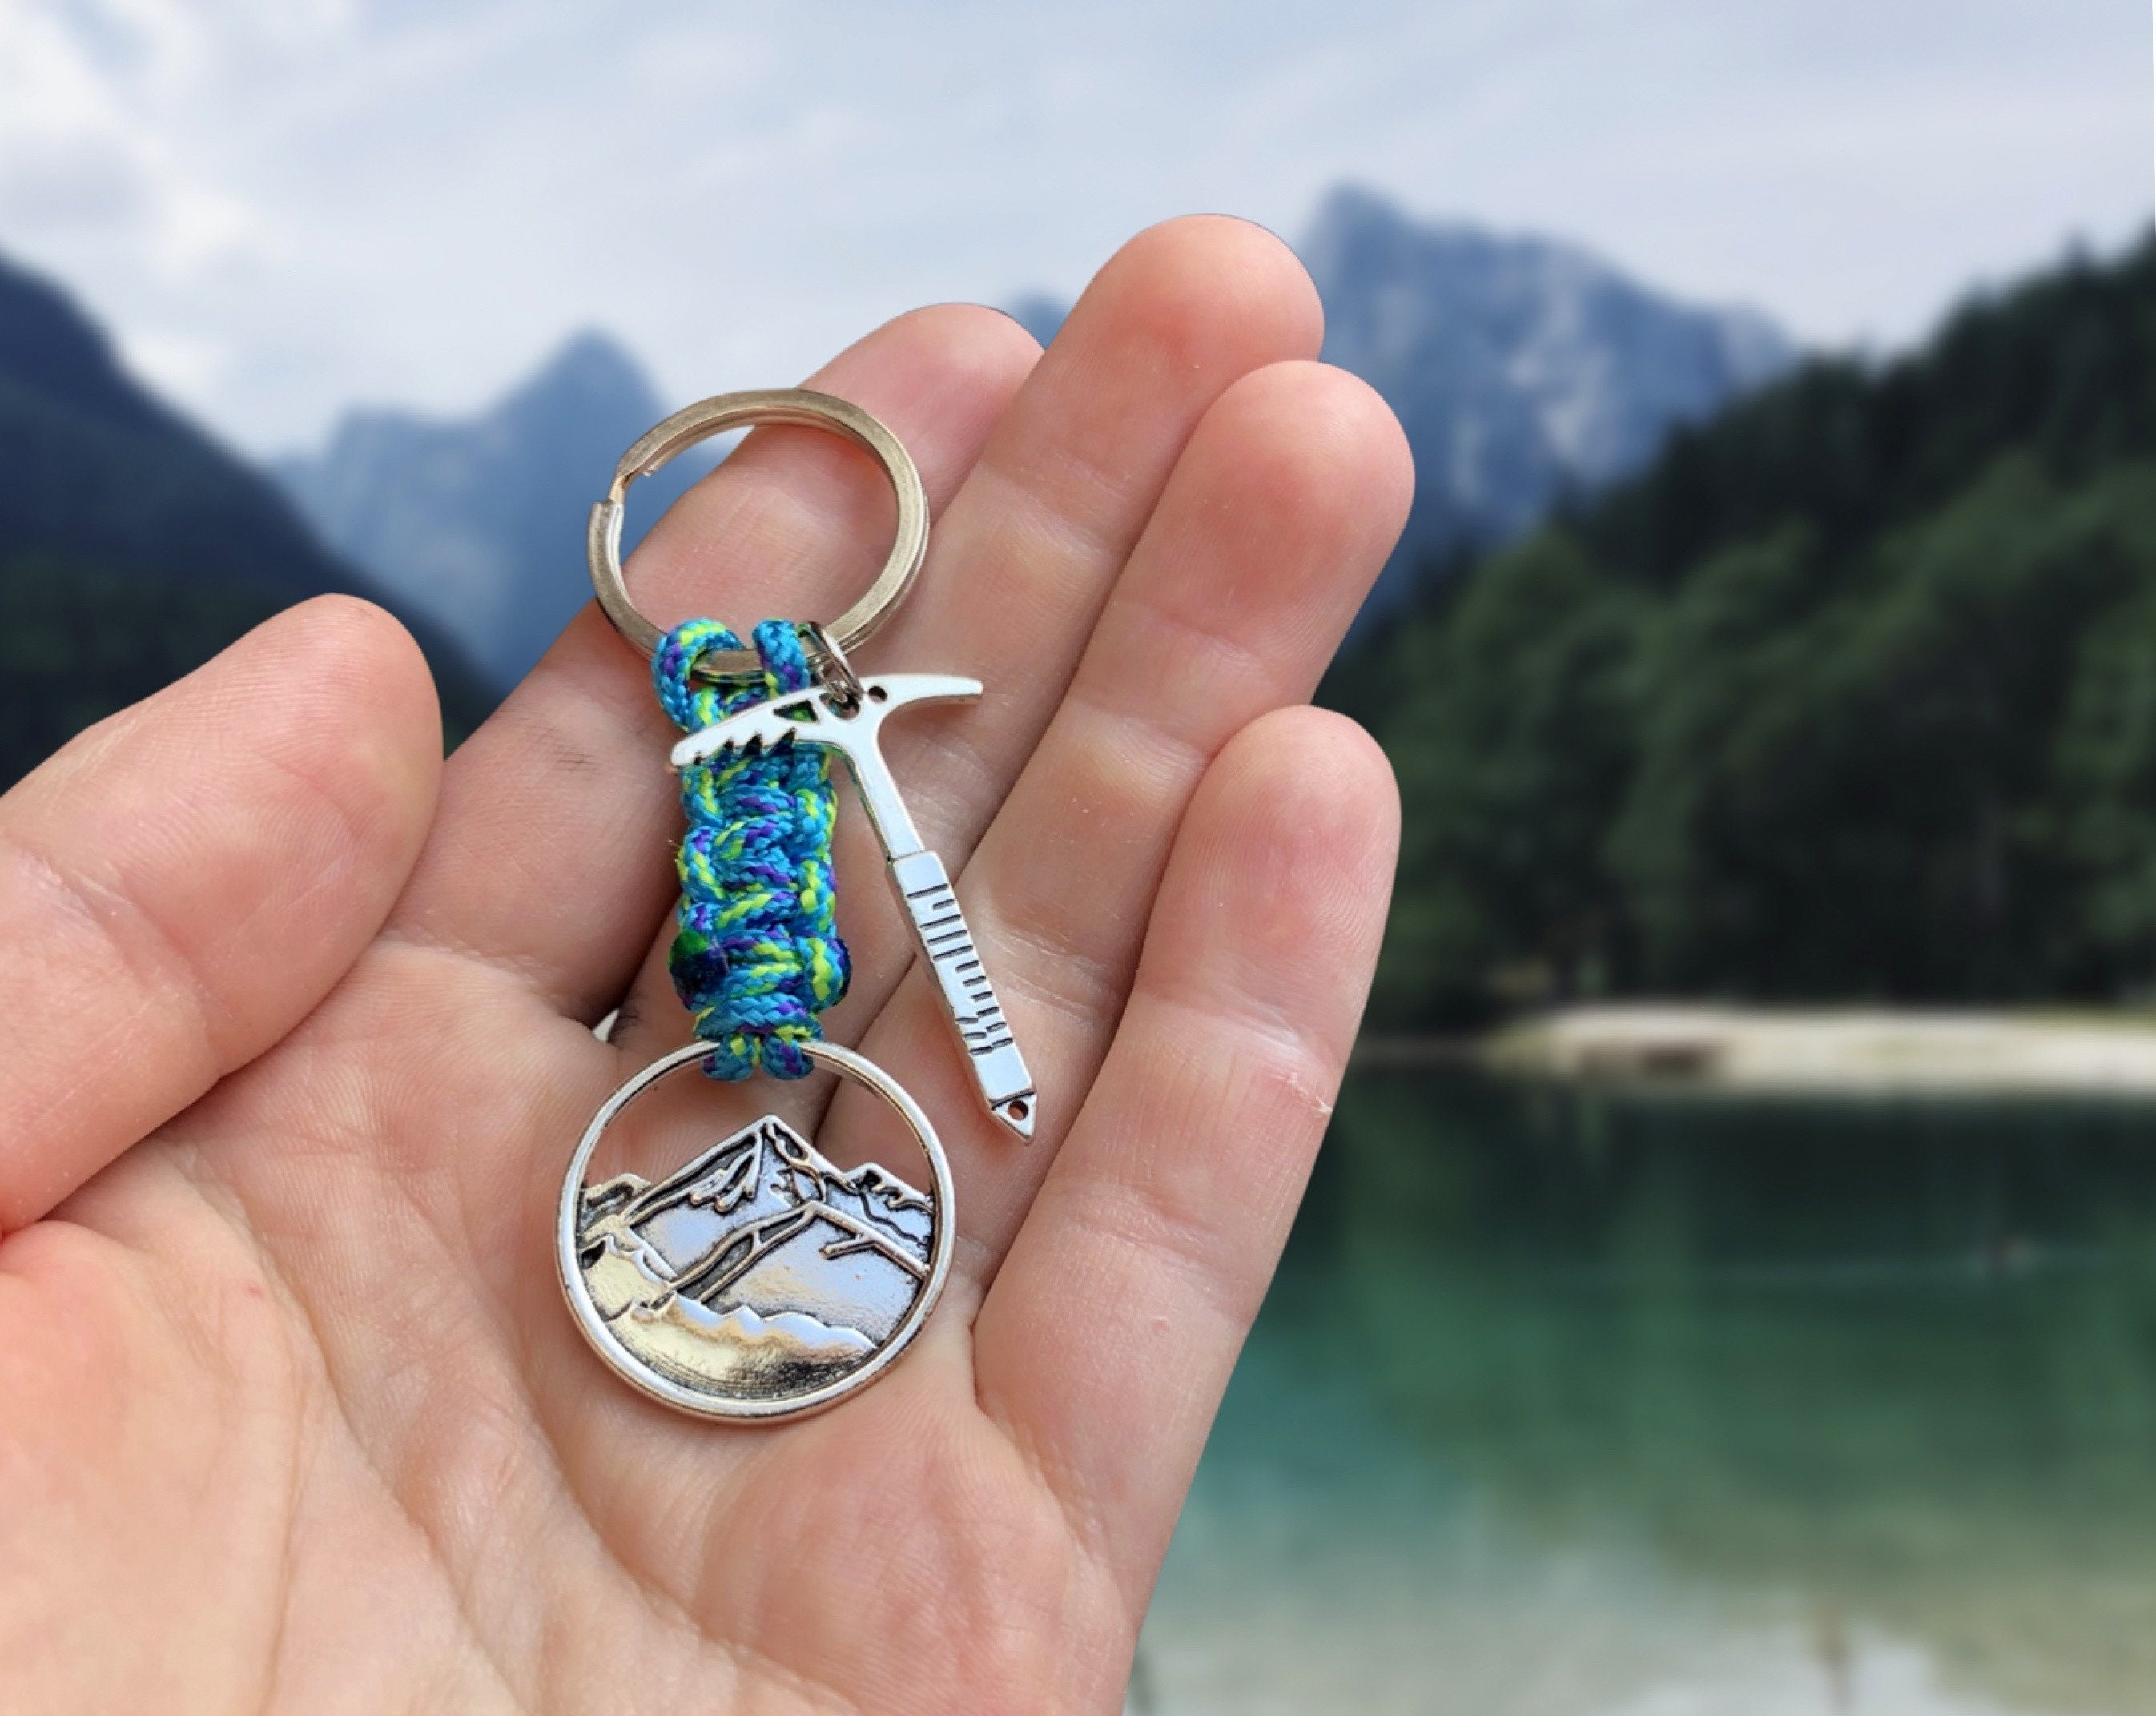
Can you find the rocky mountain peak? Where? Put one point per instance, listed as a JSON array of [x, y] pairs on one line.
[[1522, 369], [481, 519]]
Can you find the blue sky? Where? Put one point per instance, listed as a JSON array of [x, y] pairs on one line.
[[287, 206]]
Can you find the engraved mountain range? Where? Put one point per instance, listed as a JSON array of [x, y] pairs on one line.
[[759, 1268]]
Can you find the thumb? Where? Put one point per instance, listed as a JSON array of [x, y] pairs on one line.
[[180, 884]]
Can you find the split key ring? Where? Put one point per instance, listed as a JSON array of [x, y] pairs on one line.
[[797, 406]]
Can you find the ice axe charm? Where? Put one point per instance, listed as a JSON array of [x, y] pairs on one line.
[[846, 715]]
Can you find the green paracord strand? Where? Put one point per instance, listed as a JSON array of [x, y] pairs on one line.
[[757, 954]]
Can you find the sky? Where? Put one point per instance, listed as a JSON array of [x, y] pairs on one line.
[[285, 208]]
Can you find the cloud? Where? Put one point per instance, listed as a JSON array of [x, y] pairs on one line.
[[318, 200], [89, 95]]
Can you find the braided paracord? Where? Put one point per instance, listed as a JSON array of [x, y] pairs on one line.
[[757, 955]]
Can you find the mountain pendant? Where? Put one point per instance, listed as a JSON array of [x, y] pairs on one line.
[[760, 1282]]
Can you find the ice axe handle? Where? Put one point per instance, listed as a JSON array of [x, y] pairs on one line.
[[924, 887]]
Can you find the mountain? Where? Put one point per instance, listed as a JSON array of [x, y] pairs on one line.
[[132, 546], [1523, 370], [759, 1267], [1848, 694], [1038, 314], [481, 521]]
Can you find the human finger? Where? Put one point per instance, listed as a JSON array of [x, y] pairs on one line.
[[182, 883], [1126, 1294], [1282, 510]]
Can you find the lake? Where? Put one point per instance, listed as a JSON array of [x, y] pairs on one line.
[[1576, 1403]]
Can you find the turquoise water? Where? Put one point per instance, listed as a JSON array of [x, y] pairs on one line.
[[1568, 1404]]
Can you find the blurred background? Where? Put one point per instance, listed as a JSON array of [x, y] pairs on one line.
[[1730, 1287]]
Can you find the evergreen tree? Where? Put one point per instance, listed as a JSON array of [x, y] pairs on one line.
[[1851, 693]]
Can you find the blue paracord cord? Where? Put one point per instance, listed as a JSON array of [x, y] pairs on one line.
[[757, 954]]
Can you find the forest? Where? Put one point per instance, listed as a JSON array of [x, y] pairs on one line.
[[1851, 695]]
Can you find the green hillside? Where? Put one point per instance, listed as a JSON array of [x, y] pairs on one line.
[[1852, 694], [132, 546]]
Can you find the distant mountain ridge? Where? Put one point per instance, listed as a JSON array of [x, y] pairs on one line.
[[132, 546], [480, 520], [100, 471], [1523, 370]]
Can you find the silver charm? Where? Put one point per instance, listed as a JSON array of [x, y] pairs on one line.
[[758, 1281], [846, 715]]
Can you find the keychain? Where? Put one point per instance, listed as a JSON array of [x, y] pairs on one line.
[[760, 1281]]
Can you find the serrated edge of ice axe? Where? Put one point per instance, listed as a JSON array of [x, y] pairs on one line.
[[767, 722]]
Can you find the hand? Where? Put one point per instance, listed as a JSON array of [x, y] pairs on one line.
[[301, 1036]]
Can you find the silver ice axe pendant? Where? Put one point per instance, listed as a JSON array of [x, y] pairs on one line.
[[850, 721]]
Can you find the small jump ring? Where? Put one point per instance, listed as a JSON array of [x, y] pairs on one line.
[[707, 417]]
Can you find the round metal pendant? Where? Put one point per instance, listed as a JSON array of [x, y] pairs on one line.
[[759, 1281]]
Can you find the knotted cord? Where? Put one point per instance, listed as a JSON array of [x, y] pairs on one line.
[[757, 955]]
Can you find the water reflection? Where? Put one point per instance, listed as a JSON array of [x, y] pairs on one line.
[[1599, 1405]]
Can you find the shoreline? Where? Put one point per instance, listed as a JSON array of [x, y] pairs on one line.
[[1859, 1051]]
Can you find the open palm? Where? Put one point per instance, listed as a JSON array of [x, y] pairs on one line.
[[300, 1019]]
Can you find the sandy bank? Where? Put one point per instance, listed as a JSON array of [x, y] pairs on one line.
[[1865, 1051]]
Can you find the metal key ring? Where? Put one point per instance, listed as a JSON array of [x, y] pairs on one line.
[[707, 417]]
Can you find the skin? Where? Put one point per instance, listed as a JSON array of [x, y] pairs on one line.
[[301, 1019]]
